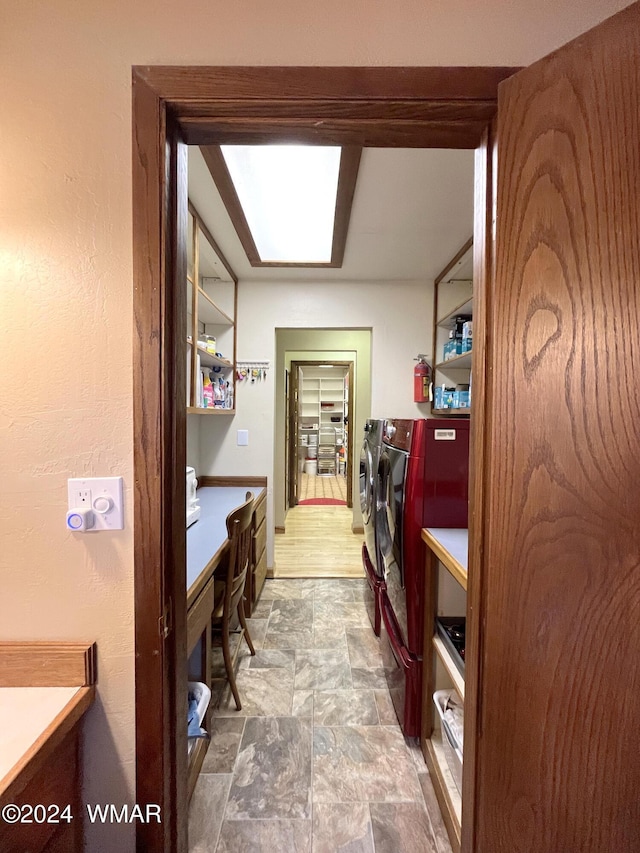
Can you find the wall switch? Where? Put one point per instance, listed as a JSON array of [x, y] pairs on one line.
[[95, 503], [243, 437]]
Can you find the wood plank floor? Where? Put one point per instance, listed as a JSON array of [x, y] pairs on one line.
[[318, 543]]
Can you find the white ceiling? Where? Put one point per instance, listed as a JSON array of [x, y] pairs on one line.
[[412, 210]]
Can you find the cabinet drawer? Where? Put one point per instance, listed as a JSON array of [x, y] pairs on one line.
[[259, 575], [260, 512], [199, 615], [259, 542]]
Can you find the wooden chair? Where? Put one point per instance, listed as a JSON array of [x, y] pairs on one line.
[[228, 593]]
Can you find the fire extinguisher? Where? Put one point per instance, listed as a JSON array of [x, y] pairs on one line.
[[421, 380]]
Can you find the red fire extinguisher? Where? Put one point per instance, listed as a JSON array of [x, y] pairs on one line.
[[421, 380]]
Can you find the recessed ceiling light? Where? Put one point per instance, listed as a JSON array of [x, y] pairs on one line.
[[288, 195]]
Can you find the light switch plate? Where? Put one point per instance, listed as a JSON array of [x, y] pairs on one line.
[[243, 437], [102, 495]]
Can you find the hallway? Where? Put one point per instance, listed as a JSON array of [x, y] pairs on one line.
[[315, 761], [318, 543]]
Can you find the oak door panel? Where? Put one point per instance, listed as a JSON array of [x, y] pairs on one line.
[[557, 763]]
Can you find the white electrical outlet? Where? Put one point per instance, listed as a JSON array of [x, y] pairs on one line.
[[82, 498], [96, 498]]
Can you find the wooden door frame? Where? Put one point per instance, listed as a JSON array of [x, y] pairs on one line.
[[292, 449], [172, 105], [350, 369]]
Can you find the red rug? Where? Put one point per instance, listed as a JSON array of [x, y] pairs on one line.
[[322, 502]]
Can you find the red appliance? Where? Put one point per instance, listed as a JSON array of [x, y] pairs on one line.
[[422, 482]]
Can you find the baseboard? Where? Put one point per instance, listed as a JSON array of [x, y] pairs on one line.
[[357, 529], [270, 573], [280, 530], [206, 480]]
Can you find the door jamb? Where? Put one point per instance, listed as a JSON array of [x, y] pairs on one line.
[[380, 107]]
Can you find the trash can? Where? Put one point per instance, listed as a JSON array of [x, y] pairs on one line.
[[199, 696], [310, 466]]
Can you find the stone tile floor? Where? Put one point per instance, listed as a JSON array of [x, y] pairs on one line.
[[315, 761]]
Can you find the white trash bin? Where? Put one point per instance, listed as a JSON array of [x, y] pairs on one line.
[[311, 466]]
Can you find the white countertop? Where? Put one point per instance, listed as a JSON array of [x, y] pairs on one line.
[[455, 541], [25, 714]]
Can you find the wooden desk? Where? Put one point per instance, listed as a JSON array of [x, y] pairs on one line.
[[207, 537], [206, 545]]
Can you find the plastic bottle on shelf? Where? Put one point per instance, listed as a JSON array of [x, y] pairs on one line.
[[207, 391]]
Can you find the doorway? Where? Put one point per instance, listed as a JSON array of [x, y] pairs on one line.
[[320, 453], [384, 107]]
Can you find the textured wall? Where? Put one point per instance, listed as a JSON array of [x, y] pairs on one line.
[[65, 267]]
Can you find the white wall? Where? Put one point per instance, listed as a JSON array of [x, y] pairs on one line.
[[400, 317], [66, 274]]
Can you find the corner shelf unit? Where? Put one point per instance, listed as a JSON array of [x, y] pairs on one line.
[[212, 306], [446, 548], [453, 297]]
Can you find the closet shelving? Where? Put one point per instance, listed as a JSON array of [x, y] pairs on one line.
[[324, 397], [212, 302], [453, 297], [323, 406]]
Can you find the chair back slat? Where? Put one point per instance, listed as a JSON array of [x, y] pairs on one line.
[[239, 531]]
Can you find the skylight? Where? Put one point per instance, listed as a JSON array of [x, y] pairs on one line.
[[288, 195]]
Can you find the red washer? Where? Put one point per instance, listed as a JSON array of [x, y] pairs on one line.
[[422, 482]]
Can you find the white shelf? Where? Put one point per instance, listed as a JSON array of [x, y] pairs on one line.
[[442, 771], [449, 664], [456, 362], [209, 313], [198, 410], [207, 359], [465, 307]]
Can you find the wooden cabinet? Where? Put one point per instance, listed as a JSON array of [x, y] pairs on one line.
[[446, 585], [453, 299], [212, 301], [45, 690]]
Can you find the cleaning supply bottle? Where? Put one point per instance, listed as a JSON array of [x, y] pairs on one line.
[[207, 391]]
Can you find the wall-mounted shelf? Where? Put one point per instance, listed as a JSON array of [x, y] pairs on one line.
[[456, 362], [210, 360], [452, 413], [465, 307], [198, 410], [453, 298], [212, 302]]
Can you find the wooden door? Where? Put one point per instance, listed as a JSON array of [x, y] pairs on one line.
[[294, 427], [557, 761]]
